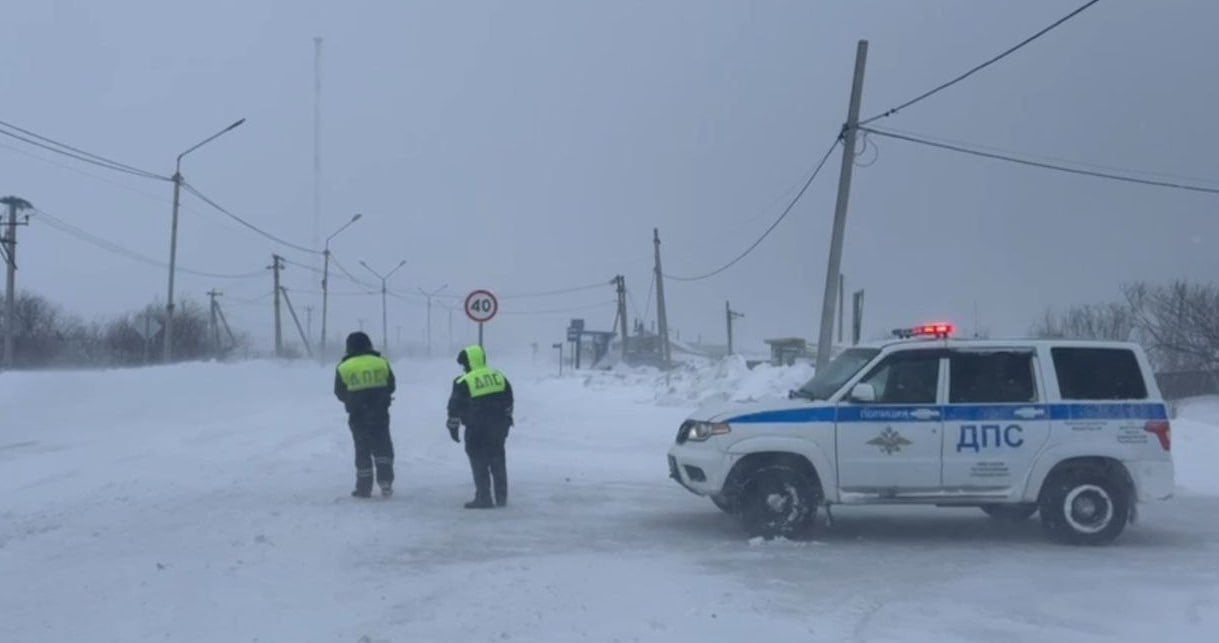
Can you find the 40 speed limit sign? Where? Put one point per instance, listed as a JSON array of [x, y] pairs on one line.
[[481, 306]]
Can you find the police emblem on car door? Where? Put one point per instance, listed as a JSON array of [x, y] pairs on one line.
[[889, 441]]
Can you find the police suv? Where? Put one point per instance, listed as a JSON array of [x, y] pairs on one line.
[[1075, 430]]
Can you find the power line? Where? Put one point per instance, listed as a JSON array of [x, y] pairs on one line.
[[110, 246], [190, 188], [786, 211], [984, 65], [1041, 164], [52, 145], [551, 293], [559, 310]]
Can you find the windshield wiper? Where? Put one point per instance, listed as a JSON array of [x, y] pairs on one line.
[[801, 394]]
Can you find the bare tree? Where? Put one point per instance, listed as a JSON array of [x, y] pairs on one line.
[[1113, 321], [1178, 323]]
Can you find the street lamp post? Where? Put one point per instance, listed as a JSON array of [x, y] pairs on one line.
[[168, 332], [326, 279], [384, 315], [429, 296]]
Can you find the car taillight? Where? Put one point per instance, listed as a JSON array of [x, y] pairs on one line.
[[1163, 430]]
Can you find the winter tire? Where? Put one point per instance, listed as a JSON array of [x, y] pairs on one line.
[[777, 501], [1084, 507], [1010, 513]]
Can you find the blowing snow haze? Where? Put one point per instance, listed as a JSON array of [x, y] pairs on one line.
[[529, 147]]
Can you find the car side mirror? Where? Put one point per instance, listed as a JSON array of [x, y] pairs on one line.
[[865, 393]]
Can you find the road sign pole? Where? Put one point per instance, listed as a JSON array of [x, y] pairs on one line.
[[480, 334]]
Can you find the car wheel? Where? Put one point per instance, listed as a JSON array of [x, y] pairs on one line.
[[1084, 507], [725, 505], [1010, 513], [777, 501]]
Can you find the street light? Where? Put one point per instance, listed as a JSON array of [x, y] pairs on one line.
[[326, 278], [384, 316], [173, 239], [429, 296]]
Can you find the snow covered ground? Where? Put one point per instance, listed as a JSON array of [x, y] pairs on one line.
[[209, 503]]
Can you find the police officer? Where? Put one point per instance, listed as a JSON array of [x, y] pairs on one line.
[[364, 383], [482, 400]]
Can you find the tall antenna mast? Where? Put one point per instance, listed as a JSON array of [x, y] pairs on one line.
[[317, 135]]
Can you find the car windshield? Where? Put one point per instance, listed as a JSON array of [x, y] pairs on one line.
[[840, 369]]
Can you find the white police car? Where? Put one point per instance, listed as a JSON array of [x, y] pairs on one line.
[[1075, 430]]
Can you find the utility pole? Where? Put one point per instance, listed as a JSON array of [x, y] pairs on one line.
[[317, 141], [849, 130], [296, 320], [326, 279], [620, 281], [213, 327], [309, 321], [168, 330], [731, 315], [842, 293], [429, 296], [384, 291], [9, 246], [662, 317], [857, 318], [277, 265]]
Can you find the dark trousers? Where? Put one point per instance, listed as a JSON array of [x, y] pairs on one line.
[[374, 450], [485, 448]]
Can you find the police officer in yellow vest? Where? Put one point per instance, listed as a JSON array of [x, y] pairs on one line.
[[364, 383], [482, 400]]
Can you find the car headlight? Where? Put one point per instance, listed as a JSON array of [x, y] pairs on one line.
[[701, 431]]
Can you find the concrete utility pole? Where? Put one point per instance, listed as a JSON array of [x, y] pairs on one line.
[[309, 321], [731, 315], [326, 279], [277, 265], [620, 281], [849, 130], [384, 291], [662, 317], [9, 246], [429, 296], [173, 241], [213, 327]]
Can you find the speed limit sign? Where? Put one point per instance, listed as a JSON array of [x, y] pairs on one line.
[[481, 306]]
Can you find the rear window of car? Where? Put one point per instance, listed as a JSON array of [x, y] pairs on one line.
[[1098, 374]]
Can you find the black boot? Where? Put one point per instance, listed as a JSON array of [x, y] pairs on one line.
[[478, 503], [363, 483]]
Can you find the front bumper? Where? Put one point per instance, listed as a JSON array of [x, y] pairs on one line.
[[698, 468]]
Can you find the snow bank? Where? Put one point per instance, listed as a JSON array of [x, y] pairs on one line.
[[1195, 445], [700, 383]]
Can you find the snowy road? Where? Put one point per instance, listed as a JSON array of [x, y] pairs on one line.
[[209, 503]]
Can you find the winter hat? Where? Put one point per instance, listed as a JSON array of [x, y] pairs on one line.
[[358, 342]]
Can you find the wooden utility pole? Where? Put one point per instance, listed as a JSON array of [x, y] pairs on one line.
[[849, 130], [662, 318], [731, 315], [857, 317], [9, 246], [277, 265], [620, 281]]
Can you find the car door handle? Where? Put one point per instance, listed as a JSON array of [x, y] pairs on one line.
[[924, 414], [1029, 412]]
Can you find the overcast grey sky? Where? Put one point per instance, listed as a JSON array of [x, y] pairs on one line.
[[533, 145]]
